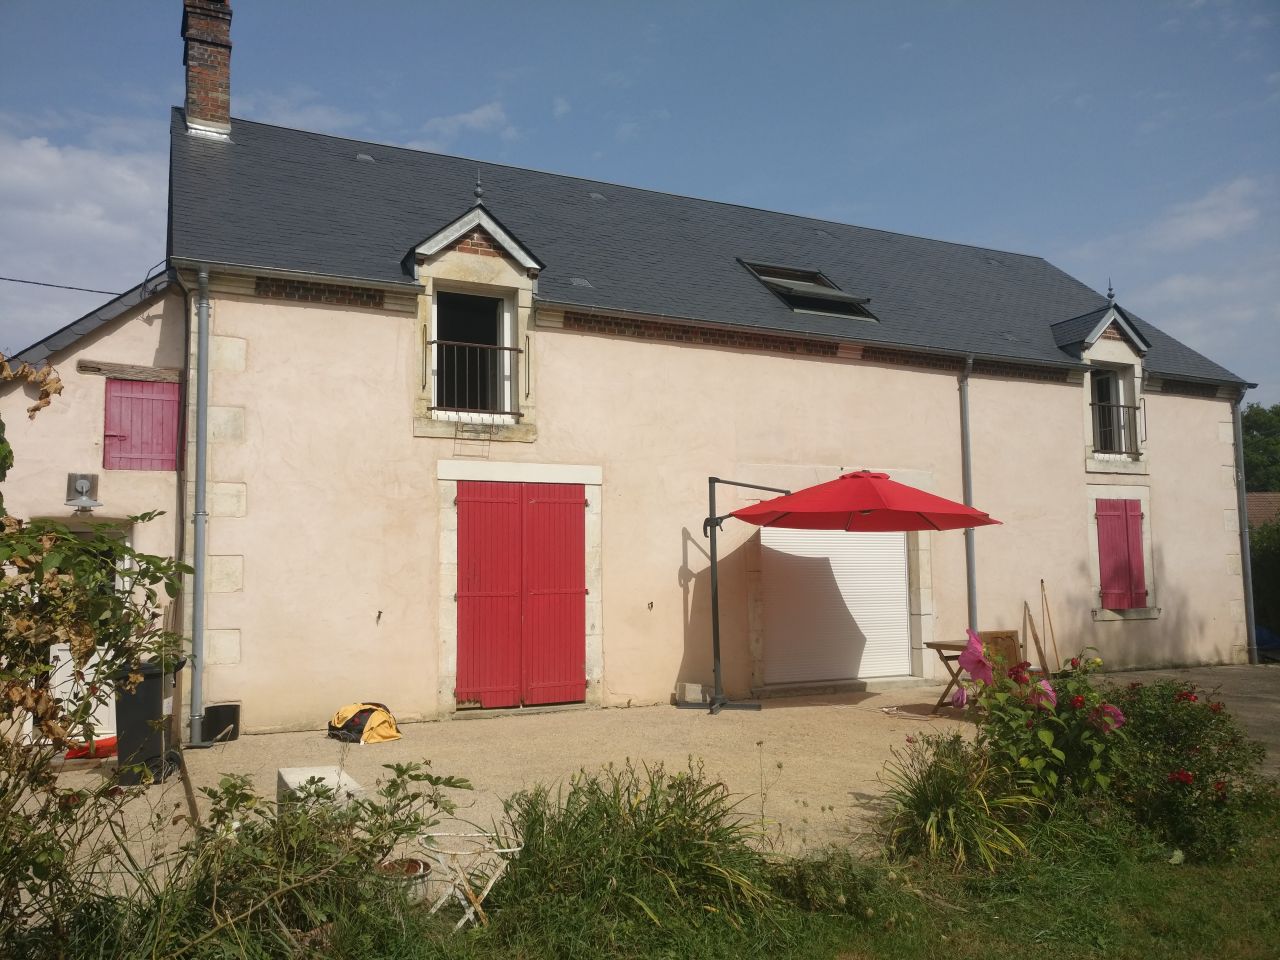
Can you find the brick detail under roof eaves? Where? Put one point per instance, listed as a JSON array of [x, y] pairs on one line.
[[988, 368], [689, 333], [479, 242], [305, 291]]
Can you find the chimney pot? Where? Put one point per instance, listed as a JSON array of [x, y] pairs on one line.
[[206, 35]]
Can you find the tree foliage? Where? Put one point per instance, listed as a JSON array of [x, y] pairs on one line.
[[1261, 433], [1264, 552]]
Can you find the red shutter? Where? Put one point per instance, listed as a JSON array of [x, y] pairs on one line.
[[1123, 579], [1137, 572], [141, 425], [489, 575], [521, 594], [555, 584]]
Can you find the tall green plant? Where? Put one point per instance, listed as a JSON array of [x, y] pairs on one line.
[[99, 597], [950, 801]]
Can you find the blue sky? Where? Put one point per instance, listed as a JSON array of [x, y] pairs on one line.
[[1137, 141]]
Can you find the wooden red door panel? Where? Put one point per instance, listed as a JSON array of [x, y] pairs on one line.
[[554, 593], [489, 594], [521, 594], [140, 425]]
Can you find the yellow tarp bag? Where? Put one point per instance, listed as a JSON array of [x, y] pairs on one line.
[[364, 723]]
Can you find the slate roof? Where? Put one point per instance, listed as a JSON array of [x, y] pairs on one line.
[[41, 350], [290, 200]]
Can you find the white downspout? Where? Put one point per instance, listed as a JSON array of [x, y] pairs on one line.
[[200, 515], [1242, 506], [966, 467]]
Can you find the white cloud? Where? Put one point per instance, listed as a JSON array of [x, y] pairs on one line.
[[1223, 212], [489, 118], [560, 107], [298, 107], [625, 131], [80, 213]]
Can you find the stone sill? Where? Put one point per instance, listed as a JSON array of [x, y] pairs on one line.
[[456, 430], [1138, 613], [1094, 465]]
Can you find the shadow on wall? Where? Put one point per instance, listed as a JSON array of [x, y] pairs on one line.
[[788, 661], [1176, 637]]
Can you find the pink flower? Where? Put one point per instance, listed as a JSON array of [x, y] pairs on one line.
[[960, 698], [1107, 717], [1043, 696], [974, 662]]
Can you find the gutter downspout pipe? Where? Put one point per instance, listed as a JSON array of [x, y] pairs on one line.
[[966, 467], [200, 515], [1242, 507]]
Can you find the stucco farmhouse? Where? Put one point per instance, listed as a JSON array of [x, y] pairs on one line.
[[438, 433]]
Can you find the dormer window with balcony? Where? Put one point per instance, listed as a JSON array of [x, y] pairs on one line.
[[1115, 414], [1109, 341], [476, 370]]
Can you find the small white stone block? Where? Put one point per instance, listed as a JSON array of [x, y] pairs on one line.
[[290, 779], [227, 354], [222, 646], [691, 693]]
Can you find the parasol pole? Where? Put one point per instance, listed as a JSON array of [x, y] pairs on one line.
[[709, 528]]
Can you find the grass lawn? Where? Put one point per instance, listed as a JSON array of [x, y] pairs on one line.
[[1107, 898], [1108, 895]]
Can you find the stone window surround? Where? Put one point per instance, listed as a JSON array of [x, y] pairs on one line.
[[1142, 494], [448, 473], [508, 334], [428, 422], [1115, 356]]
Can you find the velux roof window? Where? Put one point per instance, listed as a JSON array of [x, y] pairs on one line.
[[808, 291]]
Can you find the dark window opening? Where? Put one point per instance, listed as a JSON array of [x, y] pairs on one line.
[[1115, 423], [473, 366], [808, 291]]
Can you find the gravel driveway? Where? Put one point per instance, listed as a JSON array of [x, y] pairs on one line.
[[813, 760]]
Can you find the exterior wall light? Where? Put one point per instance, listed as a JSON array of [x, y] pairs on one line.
[[81, 490]]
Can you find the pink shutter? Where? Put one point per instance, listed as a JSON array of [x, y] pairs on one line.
[[1137, 572], [141, 425], [1123, 580]]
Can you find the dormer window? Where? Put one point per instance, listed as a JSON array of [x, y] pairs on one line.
[[1115, 414], [809, 291], [472, 364]]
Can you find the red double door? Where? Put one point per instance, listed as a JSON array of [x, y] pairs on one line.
[[521, 594]]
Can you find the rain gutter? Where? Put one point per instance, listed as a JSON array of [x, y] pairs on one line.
[[1242, 506], [966, 467]]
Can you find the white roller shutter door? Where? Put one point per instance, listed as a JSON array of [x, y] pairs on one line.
[[835, 605]]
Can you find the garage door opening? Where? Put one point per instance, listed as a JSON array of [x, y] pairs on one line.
[[835, 606]]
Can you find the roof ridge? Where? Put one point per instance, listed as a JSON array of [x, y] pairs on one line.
[[624, 186]]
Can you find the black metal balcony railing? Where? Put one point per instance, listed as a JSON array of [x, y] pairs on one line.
[[1115, 428], [474, 377]]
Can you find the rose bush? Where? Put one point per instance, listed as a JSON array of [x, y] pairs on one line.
[[1185, 768], [1058, 731]]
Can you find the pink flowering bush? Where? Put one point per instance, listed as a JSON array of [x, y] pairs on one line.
[[1055, 732], [1185, 768]]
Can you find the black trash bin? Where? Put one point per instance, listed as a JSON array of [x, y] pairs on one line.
[[143, 738]]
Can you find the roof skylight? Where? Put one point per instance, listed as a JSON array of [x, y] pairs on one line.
[[809, 291]]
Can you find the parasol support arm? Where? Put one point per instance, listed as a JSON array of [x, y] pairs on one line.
[[710, 525]]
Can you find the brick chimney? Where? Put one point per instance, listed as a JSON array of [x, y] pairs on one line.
[[206, 35]]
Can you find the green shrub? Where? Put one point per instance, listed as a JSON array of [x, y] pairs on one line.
[[833, 881], [950, 801], [1056, 731], [629, 860], [1186, 768]]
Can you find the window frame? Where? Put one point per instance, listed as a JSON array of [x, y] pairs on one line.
[[511, 356], [773, 277], [1094, 493]]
